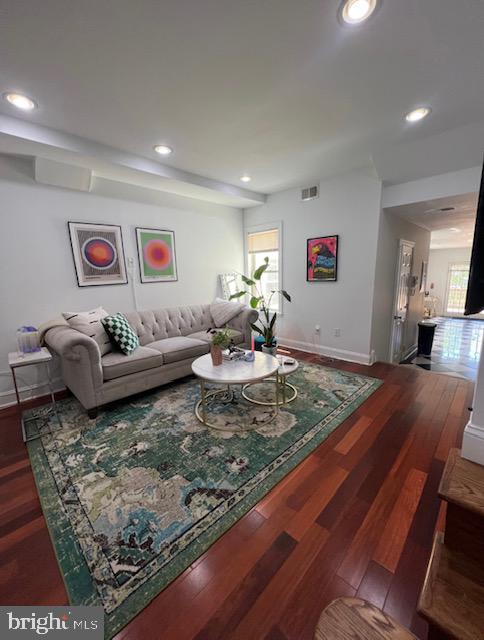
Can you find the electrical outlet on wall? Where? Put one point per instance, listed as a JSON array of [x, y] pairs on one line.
[[337, 333], [130, 263]]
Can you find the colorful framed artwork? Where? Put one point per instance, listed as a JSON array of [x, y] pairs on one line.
[[322, 259], [97, 250], [156, 254]]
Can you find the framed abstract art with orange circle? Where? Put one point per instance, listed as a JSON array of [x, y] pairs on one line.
[[98, 254], [156, 254]]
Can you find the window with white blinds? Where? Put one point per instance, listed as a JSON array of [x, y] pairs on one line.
[[262, 244]]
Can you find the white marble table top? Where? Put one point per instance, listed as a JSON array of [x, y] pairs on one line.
[[285, 369], [16, 359], [238, 371]]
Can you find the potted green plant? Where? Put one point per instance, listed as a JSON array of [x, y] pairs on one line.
[[267, 318], [221, 339]]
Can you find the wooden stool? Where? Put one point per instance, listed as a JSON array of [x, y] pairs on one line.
[[351, 618]]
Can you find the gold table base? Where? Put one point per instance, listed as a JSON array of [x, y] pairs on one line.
[[281, 383], [208, 396]]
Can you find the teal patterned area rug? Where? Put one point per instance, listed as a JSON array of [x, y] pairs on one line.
[[133, 498]]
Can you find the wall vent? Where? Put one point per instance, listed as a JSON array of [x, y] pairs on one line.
[[310, 193]]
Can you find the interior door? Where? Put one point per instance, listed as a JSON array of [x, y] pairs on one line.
[[402, 295]]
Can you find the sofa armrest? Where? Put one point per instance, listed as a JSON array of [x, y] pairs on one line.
[[242, 322], [81, 362]]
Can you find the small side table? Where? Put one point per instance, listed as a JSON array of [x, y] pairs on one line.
[[17, 360], [286, 367]]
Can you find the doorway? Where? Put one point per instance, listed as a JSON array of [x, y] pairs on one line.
[[442, 288], [456, 349], [401, 301]]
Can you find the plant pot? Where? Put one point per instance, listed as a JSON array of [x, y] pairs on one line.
[[270, 350], [216, 353]]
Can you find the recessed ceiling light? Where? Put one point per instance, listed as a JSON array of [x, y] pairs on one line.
[[356, 11], [454, 229], [163, 149], [417, 114], [245, 178], [20, 101]]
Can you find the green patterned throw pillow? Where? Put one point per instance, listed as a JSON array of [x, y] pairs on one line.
[[121, 332]]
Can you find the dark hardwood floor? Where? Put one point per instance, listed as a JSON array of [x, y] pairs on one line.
[[356, 517]]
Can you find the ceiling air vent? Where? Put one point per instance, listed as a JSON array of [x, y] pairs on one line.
[[309, 193]]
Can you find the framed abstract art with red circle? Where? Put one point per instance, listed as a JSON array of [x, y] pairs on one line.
[[98, 254], [156, 253]]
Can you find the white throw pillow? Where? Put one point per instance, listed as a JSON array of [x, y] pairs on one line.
[[89, 323], [224, 310]]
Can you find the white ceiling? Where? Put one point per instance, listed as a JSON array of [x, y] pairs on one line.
[[449, 229], [275, 88]]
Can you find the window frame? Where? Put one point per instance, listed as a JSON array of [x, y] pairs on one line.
[[266, 226]]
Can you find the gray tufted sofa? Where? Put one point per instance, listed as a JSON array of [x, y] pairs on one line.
[[170, 339]]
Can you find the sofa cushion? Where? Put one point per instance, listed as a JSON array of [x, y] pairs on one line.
[[180, 348], [235, 335], [224, 311], [121, 332], [89, 323], [158, 324], [116, 364]]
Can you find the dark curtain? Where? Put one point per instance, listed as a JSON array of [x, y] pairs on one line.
[[475, 288]]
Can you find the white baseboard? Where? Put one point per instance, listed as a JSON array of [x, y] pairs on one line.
[[339, 354], [7, 398]]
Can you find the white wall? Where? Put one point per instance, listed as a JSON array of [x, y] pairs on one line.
[[391, 230], [439, 262], [349, 206], [38, 280]]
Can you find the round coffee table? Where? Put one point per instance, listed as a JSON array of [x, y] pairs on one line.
[[237, 372], [288, 391]]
